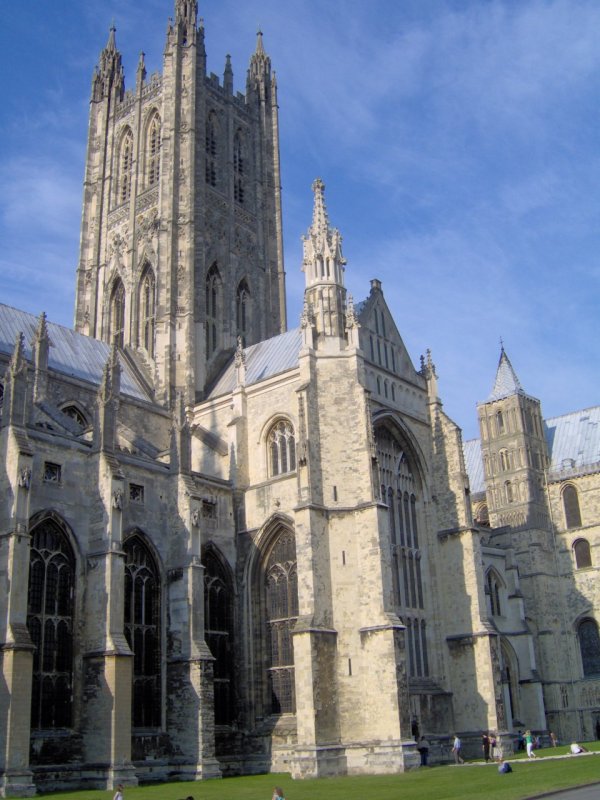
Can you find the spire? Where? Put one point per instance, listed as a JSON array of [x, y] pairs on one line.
[[228, 75], [323, 267], [506, 382], [430, 375], [323, 260], [141, 70], [41, 348], [110, 69], [260, 63]]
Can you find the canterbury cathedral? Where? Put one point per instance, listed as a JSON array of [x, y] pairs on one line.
[[232, 546]]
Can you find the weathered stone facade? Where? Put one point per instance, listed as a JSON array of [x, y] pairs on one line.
[[230, 548]]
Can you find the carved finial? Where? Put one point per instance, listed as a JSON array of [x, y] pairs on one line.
[[240, 354], [259, 41], [307, 319], [351, 320], [320, 221]]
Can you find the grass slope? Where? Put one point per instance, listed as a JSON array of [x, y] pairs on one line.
[[436, 783]]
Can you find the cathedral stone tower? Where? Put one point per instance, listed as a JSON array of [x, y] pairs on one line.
[[181, 242], [514, 452]]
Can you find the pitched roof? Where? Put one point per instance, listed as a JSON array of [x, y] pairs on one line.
[[506, 382], [70, 353], [263, 360]]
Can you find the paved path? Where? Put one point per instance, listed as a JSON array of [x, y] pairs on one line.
[[579, 793]]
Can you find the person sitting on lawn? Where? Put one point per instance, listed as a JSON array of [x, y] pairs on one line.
[[578, 748], [504, 767]]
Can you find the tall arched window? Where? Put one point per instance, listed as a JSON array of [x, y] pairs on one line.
[[504, 461], [401, 488], [570, 500], [582, 553], [218, 628], [147, 306], [213, 309], [281, 444], [589, 645], [281, 587], [242, 306], [142, 630], [153, 150], [500, 421], [117, 313], [50, 609], [238, 167], [125, 167], [210, 149], [494, 593]]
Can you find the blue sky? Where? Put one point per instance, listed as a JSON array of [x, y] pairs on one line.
[[459, 142]]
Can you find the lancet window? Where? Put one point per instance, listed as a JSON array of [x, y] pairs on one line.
[[142, 631], [147, 310], [211, 149], [117, 313], [213, 309], [218, 626], [50, 608], [494, 592], [242, 304], [281, 442], [238, 167], [125, 167], [570, 500], [153, 142], [281, 588]]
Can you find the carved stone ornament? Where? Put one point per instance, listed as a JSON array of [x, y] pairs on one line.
[[117, 500], [196, 517], [25, 478]]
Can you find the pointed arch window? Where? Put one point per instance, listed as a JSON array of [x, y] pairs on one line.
[[582, 554], [142, 631], [570, 500], [238, 167], [213, 309], [281, 588], [125, 167], [50, 609], [242, 305], [210, 149], [218, 626], [117, 313], [494, 593], [74, 413], [153, 143], [589, 646], [281, 442], [147, 310]]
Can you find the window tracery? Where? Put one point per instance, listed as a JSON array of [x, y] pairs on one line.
[[117, 313], [147, 310], [125, 167], [400, 490], [142, 631], [50, 611], [153, 144], [281, 442], [210, 149], [281, 587], [218, 623]]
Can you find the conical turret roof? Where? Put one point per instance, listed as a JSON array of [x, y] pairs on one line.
[[506, 382]]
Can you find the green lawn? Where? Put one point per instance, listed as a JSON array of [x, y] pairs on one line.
[[436, 783]]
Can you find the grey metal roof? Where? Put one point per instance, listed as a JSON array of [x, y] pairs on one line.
[[474, 465], [70, 353], [573, 444], [506, 382], [574, 439], [263, 360]]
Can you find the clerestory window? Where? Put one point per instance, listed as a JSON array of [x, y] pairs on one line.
[[281, 443]]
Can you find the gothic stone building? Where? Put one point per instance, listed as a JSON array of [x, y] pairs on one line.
[[228, 547]]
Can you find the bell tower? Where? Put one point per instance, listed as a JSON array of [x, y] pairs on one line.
[[181, 242], [514, 450]]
